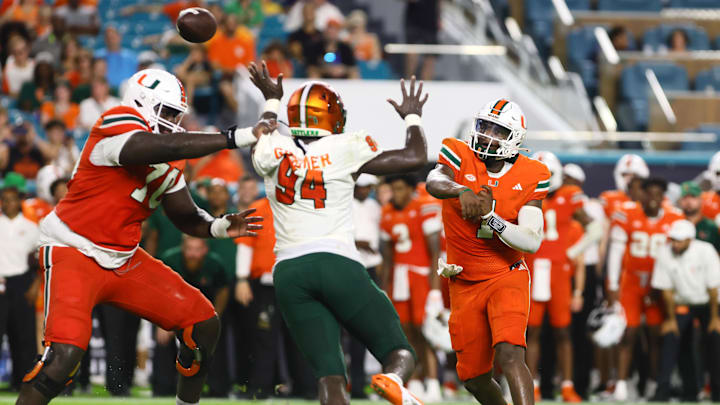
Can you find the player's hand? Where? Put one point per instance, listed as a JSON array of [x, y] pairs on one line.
[[411, 102], [669, 326], [264, 127], [448, 270], [163, 337], [364, 245], [262, 80], [486, 200], [243, 225], [243, 293], [612, 297], [714, 325], [576, 303], [470, 205]]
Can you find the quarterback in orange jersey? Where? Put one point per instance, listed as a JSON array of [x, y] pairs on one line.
[[711, 199], [492, 215], [638, 231], [131, 163], [552, 268], [409, 234]]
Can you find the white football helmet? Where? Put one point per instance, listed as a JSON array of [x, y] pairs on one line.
[[553, 164], [159, 97], [629, 164], [607, 324], [499, 130], [713, 172]]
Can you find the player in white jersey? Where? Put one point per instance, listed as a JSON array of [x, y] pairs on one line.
[[319, 280]]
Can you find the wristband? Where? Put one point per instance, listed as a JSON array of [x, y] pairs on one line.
[[464, 190], [412, 119], [219, 227], [496, 224], [272, 105], [577, 293], [237, 138]]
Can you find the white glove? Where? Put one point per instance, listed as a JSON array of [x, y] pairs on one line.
[[434, 303], [448, 270]]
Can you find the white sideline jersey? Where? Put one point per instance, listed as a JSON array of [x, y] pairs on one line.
[[310, 188]]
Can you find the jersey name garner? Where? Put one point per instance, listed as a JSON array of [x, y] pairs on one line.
[[308, 162]]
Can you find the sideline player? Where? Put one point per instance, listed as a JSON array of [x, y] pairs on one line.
[[410, 235], [711, 199], [553, 267], [492, 214], [89, 243], [637, 233], [320, 282]]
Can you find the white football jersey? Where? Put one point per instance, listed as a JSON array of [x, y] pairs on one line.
[[310, 188]]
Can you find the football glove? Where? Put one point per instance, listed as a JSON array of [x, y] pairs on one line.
[[448, 270]]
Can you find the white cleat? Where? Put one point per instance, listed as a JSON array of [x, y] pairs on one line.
[[621, 391], [433, 391], [390, 387]]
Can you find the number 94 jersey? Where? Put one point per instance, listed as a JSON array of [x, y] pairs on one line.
[[310, 187]]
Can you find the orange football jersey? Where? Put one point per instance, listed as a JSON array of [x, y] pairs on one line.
[[711, 205], [406, 230], [107, 204], [558, 210], [473, 245], [263, 258], [645, 236], [612, 200]]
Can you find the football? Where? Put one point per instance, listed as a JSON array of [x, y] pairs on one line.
[[196, 24]]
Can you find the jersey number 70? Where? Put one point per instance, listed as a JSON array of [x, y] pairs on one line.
[[313, 186]]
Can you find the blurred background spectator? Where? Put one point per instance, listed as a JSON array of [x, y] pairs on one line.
[[99, 101], [121, 62], [80, 19], [19, 66]]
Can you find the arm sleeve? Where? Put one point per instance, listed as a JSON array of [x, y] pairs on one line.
[[616, 252], [431, 223], [243, 260], [107, 151], [527, 235], [661, 278], [593, 233]]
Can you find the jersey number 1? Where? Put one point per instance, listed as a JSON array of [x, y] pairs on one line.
[[312, 188]]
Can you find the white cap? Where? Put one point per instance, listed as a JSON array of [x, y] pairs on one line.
[[574, 171], [682, 229], [365, 180]]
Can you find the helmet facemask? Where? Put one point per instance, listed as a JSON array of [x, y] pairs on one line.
[[492, 140], [167, 118]]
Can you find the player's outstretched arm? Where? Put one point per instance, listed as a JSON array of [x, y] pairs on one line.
[[414, 155], [195, 221], [271, 90], [145, 148]]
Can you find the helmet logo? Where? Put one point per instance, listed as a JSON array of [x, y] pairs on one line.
[[522, 121], [498, 107], [152, 86]]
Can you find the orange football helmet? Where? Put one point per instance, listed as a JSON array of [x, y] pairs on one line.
[[314, 110]]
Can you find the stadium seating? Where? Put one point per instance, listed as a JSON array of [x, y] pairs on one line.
[[656, 38], [693, 3], [379, 70], [634, 90], [629, 5], [708, 79], [540, 14]]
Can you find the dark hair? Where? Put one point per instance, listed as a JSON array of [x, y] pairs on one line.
[[675, 31], [616, 31], [54, 124], [54, 185], [44, 74], [655, 181], [407, 178], [276, 46]]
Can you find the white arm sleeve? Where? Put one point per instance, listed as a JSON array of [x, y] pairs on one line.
[[618, 239], [527, 235], [243, 259], [107, 151], [593, 233]]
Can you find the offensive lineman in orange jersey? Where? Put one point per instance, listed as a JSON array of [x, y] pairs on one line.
[[410, 246], [492, 214], [130, 164], [552, 268], [638, 231], [711, 199]]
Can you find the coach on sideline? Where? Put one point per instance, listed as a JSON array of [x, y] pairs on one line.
[[687, 271]]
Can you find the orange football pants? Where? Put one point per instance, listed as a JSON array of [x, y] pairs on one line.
[[485, 313], [635, 299], [558, 307]]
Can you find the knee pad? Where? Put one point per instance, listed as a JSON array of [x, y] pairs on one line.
[[47, 386], [191, 356]]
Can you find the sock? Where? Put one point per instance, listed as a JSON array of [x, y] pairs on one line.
[[567, 383], [179, 401], [392, 376], [536, 383]]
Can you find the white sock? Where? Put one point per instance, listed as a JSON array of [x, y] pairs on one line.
[[432, 382], [567, 383], [393, 377], [536, 383], [179, 401]]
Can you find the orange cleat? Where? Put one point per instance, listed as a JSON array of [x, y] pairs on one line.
[[393, 391], [538, 395], [569, 394]]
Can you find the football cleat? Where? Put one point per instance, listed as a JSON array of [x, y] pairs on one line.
[[569, 394], [390, 387]]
